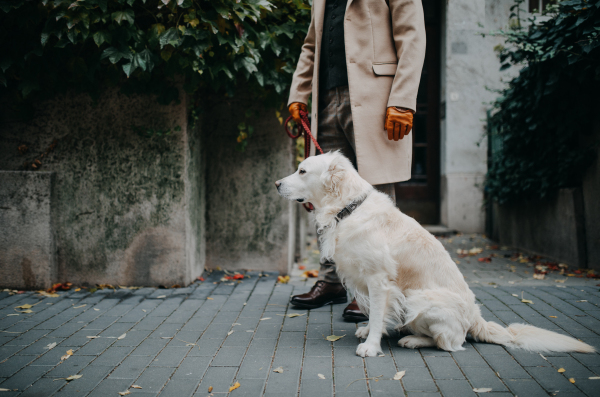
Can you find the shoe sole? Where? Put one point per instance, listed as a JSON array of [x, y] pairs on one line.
[[307, 306], [355, 319]]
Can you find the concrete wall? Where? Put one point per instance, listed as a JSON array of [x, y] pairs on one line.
[[469, 65], [127, 209], [248, 224], [27, 246]]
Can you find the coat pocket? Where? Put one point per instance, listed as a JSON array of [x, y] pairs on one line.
[[385, 69]]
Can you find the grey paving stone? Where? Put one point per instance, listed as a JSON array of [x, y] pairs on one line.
[[425, 394], [239, 338], [345, 356], [113, 356], [291, 339], [573, 368], [255, 367], [482, 377], [69, 367], [134, 338], [220, 378], [153, 379], [344, 376], [528, 359], [407, 357], [111, 387], [229, 357], [506, 366], [290, 360], [550, 379], [249, 388], [170, 357], [150, 347], [91, 377], [131, 367], [27, 338], [452, 388], [25, 377], [166, 330], [317, 347], [417, 379], [443, 368], [12, 365], [525, 387], [42, 387], [265, 347], [40, 347], [206, 347], [180, 387], [96, 346], [192, 367], [149, 323]]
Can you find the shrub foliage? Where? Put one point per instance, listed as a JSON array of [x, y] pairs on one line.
[[541, 113], [144, 45]]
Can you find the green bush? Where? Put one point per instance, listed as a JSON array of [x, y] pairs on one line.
[[540, 116], [143, 46]]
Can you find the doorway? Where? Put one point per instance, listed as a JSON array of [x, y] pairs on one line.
[[419, 197]]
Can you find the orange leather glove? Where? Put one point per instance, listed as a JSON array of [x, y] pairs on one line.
[[295, 109], [398, 122]]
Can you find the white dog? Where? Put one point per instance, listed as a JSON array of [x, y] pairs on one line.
[[400, 274]]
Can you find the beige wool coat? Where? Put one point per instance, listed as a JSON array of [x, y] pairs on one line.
[[385, 50]]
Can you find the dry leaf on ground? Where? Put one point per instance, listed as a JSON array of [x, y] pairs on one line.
[[265, 318], [482, 390], [26, 306], [161, 296], [526, 301], [321, 376], [594, 378], [92, 336], [399, 375], [73, 377], [292, 315], [2, 389], [552, 316], [230, 332], [572, 380], [561, 370], [560, 280], [333, 338], [210, 298], [136, 387], [80, 306], [51, 346], [279, 370], [235, 386], [210, 389], [124, 393], [539, 276], [122, 336]]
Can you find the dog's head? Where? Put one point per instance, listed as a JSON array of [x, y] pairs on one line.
[[321, 179]]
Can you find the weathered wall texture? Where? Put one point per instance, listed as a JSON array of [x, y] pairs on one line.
[[469, 68], [551, 227], [591, 200], [27, 251], [248, 223], [128, 208]]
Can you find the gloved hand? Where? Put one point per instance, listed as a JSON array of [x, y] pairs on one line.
[[295, 109], [398, 122]]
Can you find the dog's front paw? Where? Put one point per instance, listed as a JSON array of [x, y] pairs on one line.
[[368, 350], [362, 332]]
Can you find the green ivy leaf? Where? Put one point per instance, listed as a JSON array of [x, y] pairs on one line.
[[120, 16], [102, 36], [114, 54]]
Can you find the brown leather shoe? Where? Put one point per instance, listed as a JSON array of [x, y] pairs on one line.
[[353, 313], [321, 294]]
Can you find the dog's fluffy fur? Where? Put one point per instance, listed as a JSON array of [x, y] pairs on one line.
[[401, 275]]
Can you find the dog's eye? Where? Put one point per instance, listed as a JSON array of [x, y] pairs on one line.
[[302, 172]]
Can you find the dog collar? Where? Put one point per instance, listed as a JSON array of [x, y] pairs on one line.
[[349, 209]]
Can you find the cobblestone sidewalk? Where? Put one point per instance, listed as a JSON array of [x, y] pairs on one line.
[[214, 335]]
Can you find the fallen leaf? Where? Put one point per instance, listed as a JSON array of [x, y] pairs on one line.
[[561, 370], [526, 301], [283, 279], [92, 337], [482, 390], [51, 346], [560, 280], [265, 318], [122, 336], [26, 311], [552, 316], [235, 386], [230, 332], [209, 387], [124, 393], [144, 310], [292, 315], [572, 380], [161, 296], [302, 267], [515, 295], [582, 301], [2, 389], [26, 306], [12, 314], [321, 376], [279, 370], [136, 387], [77, 289], [77, 307], [210, 298], [73, 377], [399, 375], [311, 273], [99, 309], [333, 338], [539, 276], [166, 337], [594, 377], [234, 324], [69, 354]]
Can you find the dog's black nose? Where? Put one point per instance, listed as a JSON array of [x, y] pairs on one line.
[[277, 184]]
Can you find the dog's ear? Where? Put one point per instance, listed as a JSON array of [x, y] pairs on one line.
[[332, 178]]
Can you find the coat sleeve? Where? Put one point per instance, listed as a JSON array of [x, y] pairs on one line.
[[301, 82], [408, 27]]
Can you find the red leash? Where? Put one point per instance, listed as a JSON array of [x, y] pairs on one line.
[[304, 128]]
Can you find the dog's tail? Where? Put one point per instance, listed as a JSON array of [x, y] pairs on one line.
[[527, 337]]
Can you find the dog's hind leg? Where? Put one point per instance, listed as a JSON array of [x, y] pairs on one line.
[[379, 293], [416, 342]]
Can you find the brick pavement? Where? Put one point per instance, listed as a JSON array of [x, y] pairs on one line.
[[181, 342]]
